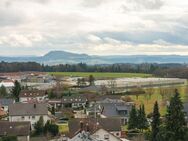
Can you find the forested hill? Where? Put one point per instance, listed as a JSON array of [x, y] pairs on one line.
[[63, 57], [162, 70]]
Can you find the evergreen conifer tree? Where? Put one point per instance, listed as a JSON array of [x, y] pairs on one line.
[[155, 122], [175, 119], [16, 90], [132, 123]]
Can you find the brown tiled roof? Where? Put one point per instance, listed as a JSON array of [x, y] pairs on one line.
[[19, 109], [33, 93], [14, 128], [109, 124]]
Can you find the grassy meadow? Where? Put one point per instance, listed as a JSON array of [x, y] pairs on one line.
[[100, 74], [149, 101]]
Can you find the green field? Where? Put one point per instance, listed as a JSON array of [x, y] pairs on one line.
[[100, 74], [142, 99]]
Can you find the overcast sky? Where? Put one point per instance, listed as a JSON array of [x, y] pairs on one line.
[[100, 27]]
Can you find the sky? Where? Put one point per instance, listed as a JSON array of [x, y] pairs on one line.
[[95, 27]]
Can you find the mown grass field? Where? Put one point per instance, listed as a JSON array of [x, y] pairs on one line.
[[100, 74]]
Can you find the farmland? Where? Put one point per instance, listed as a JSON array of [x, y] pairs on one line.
[[144, 78], [149, 102], [100, 74]]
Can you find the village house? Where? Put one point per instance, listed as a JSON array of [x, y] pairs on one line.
[[74, 102], [8, 84], [33, 96], [13, 76], [5, 102], [81, 136], [28, 112], [37, 77], [19, 129], [92, 124], [115, 108], [103, 135]]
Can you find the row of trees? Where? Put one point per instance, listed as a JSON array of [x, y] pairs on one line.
[[82, 67], [175, 72], [83, 81], [174, 126], [137, 119], [171, 128]]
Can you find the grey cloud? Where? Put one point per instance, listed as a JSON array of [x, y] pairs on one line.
[[8, 17], [148, 4], [148, 37], [92, 3], [37, 1]]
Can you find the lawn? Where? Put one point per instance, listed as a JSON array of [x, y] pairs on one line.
[[149, 102], [100, 74], [63, 128]]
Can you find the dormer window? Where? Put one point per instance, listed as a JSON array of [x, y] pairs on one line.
[[106, 137]]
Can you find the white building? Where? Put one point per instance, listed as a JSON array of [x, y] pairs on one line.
[[103, 135], [69, 101], [28, 112], [8, 84], [99, 135]]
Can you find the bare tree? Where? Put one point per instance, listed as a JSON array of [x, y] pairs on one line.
[[112, 84], [104, 89], [186, 92], [150, 90], [91, 80], [166, 93], [137, 90]]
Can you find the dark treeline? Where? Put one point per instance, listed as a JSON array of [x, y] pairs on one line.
[[179, 72], [163, 70], [18, 67]]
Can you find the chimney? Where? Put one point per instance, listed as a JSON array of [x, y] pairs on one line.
[[34, 106], [81, 125], [87, 127]]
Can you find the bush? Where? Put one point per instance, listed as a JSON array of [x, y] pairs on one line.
[[51, 128], [9, 138]]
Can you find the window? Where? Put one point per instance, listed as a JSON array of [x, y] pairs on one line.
[[96, 136], [33, 117], [117, 134], [106, 137], [23, 117]]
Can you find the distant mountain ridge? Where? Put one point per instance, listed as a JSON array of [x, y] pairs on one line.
[[62, 57]]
